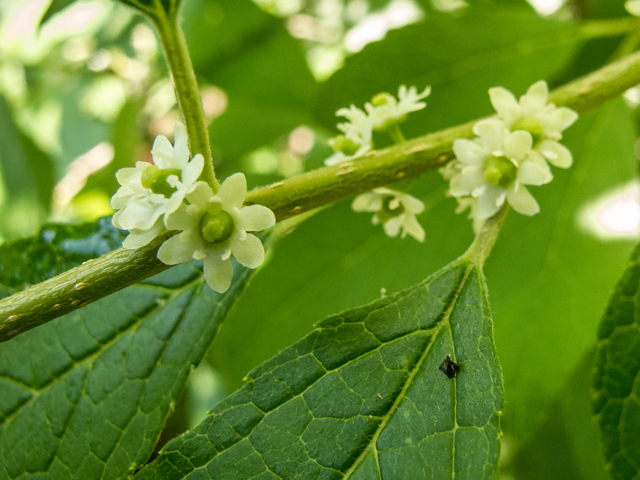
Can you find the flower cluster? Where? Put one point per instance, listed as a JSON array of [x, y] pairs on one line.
[[510, 152], [167, 196], [393, 209], [383, 113]]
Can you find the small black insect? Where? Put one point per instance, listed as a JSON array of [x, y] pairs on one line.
[[449, 367]]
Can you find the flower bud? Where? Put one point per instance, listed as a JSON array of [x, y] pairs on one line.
[[500, 171], [344, 145], [216, 226], [380, 99], [531, 125], [155, 179]]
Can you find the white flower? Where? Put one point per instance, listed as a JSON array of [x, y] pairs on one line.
[[495, 166], [214, 227], [544, 121], [149, 192], [385, 111], [357, 138], [633, 7], [395, 210]]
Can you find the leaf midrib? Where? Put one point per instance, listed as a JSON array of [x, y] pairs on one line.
[[387, 417]]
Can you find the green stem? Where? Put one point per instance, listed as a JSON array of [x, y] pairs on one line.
[[121, 268], [187, 92], [396, 134], [486, 237]]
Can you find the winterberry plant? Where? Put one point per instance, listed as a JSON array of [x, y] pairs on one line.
[[190, 283]]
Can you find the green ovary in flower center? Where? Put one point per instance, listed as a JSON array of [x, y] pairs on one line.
[[380, 99], [155, 179], [500, 171], [216, 226], [386, 213], [531, 125], [345, 145]]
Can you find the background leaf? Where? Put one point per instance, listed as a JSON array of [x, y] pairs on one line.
[[616, 401], [55, 7], [362, 397], [27, 174], [566, 445], [262, 69], [87, 395]]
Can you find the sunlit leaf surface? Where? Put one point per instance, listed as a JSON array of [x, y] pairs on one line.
[[363, 397]]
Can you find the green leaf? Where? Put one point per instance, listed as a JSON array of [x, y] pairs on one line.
[[362, 397], [55, 7], [566, 445], [460, 56], [27, 173], [87, 395], [56, 249], [616, 377]]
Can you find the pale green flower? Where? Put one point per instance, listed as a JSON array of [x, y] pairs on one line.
[[357, 138], [544, 121], [385, 110], [394, 210], [149, 193], [214, 227], [496, 166]]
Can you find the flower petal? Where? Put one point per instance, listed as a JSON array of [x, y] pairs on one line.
[[162, 153], [233, 191], [522, 201], [255, 218], [217, 272], [180, 145], [558, 120], [557, 154], [504, 102], [531, 173], [465, 183], [412, 227], [140, 214], [517, 144], [126, 176], [367, 202], [139, 238], [114, 218], [535, 99], [192, 170], [411, 203], [336, 158], [392, 227], [175, 251], [491, 133], [490, 202], [200, 195], [249, 252], [468, 152], [181, 219]]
